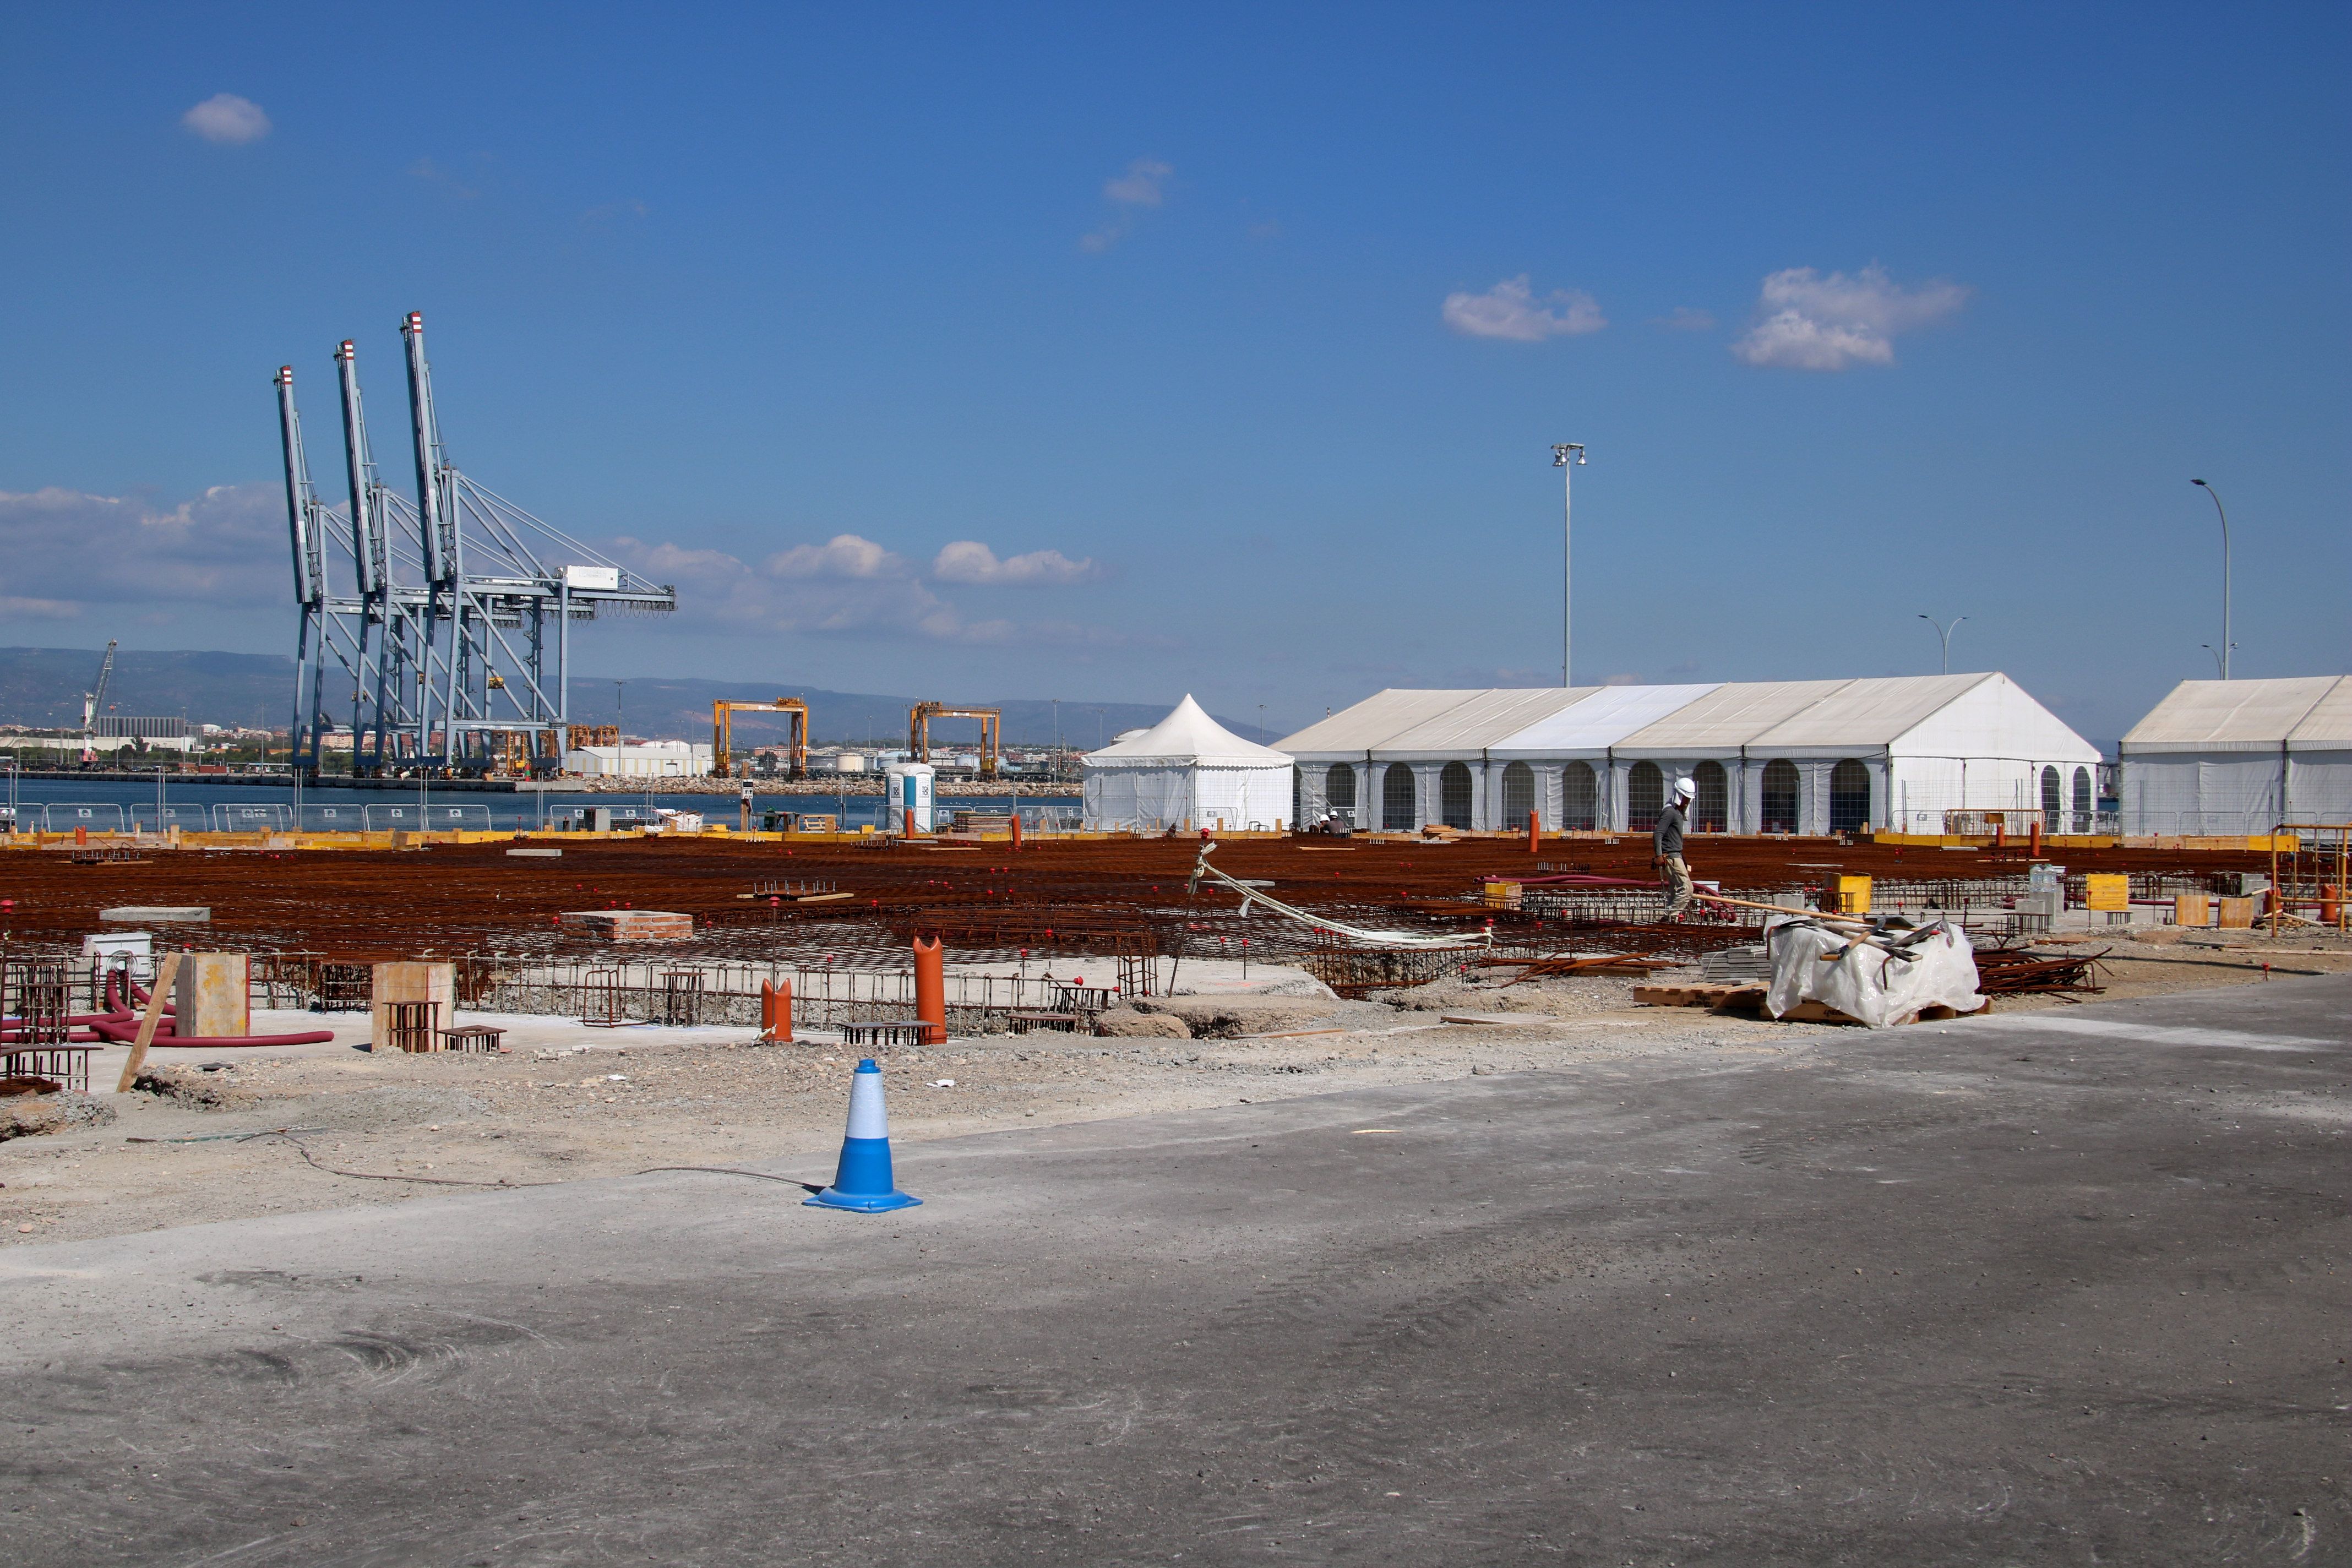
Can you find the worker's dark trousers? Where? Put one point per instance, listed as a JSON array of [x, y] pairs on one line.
[[1678, 885]]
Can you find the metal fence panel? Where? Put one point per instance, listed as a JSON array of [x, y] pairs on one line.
[[98, 815], [252, 817], [431, 817]]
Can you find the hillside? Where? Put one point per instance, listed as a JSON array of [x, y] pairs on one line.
[[44, 687]]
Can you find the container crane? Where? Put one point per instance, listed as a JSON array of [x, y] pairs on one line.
[[90, 701], [451, 613]]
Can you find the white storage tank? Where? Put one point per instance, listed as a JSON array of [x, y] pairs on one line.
[[908, 789]]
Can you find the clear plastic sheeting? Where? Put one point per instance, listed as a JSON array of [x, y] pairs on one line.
[[1880, 981]]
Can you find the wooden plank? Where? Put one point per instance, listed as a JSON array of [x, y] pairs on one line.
[[167, 973]]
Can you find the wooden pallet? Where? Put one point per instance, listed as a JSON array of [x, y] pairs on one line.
[[1718, 996]]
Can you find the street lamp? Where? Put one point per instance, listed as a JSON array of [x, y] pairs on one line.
[[2226, 644], [1566, 457], [2209, 648], [1944, 632]]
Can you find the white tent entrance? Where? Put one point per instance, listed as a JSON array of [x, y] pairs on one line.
[[1187, 771]]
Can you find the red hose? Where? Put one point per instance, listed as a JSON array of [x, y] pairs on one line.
[[120, 1028]]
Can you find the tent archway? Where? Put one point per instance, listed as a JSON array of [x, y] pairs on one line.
[[1710, 810], [1849, 796], [1645, 797], [1778, 798], [1519, 796], [1580, 803], [1396, 799]]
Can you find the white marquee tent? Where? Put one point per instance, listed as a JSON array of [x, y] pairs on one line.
[[1186, 770], [2241, 756], [1794, 756]]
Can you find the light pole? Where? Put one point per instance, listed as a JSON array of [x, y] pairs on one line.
[[2209, 648], [2226, 644], [1566, 457], [1944, 632]]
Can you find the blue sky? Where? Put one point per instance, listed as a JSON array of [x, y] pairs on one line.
[[1114, 353]]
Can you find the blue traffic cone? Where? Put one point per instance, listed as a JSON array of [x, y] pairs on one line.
[[862, 1181]]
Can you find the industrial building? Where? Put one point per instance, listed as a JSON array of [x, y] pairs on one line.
[[640, 759], [1894, 752], [2241, 756], [1187, 769]]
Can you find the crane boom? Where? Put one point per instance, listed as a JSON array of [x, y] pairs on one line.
[[91, 701]]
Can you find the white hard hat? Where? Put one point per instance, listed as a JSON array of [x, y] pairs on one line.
[[1685, 789]]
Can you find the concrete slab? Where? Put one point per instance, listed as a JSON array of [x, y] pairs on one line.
[[1961, 1293]]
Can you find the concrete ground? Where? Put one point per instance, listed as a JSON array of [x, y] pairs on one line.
[[2061, 1287]]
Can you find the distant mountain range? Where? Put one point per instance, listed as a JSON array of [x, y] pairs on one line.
[[43, 686]]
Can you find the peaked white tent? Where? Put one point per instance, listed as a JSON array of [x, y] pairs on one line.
[[1187, 769], [2241, 756]]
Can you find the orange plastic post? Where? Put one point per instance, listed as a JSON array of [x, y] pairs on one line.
[[2034, 838], [932, 990], [1535, 832], [2331, 904], [82, 836], [1016, 829], [775, 1011], [1999, 832]]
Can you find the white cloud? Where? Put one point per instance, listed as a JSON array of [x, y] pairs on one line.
[[1510, 310], [969, 561], [1143, 185], [38, 609], [852, 587], [844, 555], [228, 120], [1808, 321], [227, 546]]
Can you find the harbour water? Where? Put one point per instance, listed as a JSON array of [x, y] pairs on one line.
[[117, 805]]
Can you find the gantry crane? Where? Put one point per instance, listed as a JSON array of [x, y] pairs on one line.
[[451, 614], [722, 730], [919, 732], [92, 700]]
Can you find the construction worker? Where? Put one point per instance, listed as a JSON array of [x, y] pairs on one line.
[[1666, 848]]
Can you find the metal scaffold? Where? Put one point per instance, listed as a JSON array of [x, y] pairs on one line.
[[451, 616]]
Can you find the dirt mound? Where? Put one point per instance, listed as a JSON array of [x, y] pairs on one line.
[[1225, 1018], [1125, 1023], [30, 1115]]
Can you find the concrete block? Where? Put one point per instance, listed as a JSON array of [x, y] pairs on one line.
[[155, 914], [435, 983], [210, 999]]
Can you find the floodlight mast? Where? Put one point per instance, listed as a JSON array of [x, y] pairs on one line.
[[1567, 455]]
